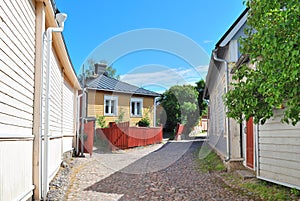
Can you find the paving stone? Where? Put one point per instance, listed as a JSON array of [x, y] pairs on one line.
[[157, 172]]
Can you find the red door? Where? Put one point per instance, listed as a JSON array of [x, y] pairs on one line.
[[249, 144]]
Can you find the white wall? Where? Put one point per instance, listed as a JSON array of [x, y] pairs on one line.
[[216, 122], [17, 68], [62, 114], [17, 56], [279, 152]]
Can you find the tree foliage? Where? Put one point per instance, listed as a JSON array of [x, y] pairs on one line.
[[202, 104], [181, 106], [89, 70], [272, 44]]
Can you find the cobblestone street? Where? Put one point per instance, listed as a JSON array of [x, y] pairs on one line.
[[157, 172]]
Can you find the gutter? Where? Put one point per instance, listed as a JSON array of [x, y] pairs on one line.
[[216, 58], [60, 20]]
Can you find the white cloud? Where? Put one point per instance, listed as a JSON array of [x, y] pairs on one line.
[[162, 77]]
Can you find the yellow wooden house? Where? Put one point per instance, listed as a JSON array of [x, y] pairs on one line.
[[115, 99]]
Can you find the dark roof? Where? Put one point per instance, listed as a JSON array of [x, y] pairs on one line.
[[105, 83], [232, 27]]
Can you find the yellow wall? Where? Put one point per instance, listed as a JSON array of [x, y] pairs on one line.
[[96, 106]]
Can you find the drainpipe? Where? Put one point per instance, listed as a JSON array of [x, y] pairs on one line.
[[60, 18], [78, 121], [83, 112], [82, 123], [215, 57]]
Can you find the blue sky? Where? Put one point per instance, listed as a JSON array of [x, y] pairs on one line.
[[153, 44]]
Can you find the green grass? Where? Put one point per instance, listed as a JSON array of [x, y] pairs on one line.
[[209, 161], [262, 189]]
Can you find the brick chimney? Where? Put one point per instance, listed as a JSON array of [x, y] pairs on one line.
[[100, 68]]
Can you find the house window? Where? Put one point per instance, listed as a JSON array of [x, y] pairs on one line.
[[110, 105], [136, 107]]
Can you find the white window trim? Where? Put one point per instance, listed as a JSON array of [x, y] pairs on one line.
[[115, 98], [141, 100]]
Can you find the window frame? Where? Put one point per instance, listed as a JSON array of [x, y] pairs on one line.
[[136, 100], [110, 98]]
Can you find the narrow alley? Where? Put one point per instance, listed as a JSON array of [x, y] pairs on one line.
[[157, 172]]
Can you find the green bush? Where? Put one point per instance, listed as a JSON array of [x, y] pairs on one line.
[[120, 117], [144, 122], [101, 121]]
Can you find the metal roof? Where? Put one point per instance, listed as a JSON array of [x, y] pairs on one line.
[[105, 83]]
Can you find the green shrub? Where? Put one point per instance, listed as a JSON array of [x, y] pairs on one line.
[[101, 121], [144, 122], [120, 117]]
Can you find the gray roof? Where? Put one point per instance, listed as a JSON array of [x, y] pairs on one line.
[[105, 83]]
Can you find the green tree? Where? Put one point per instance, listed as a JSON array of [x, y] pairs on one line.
[[89, 70], [202, 104], [181, 106], [272, 44]]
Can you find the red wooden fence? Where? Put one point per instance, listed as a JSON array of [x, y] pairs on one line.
[[122, 136], [179, 130]]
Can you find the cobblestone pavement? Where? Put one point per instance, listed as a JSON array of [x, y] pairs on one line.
[[155, 172]]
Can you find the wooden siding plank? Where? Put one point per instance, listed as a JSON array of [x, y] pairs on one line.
[[27, 16], [13, 59], [14, 43], [16, 19], [279, 141], [12, 30], [278, 127], [68, 111], [16, 37], [56, 96], [280, 148], [12, 111], [279, 155], [283, 133], [11, 101], [8, 86], [29, 9], [294, 180], [19, 77], [16, 171], [10, 21], [9, 82], [15, 130], [286, 164], [15, 121]]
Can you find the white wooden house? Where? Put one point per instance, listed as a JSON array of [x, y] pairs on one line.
[[22, 98], [272, 149], [224, 134]]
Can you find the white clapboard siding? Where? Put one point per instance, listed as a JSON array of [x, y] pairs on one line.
[[55, 156], [56, 97], [279, 151], [17, 20], [15, 169], [68, 116], [17, 53], [67, 143], [68, 109], [17, 58]]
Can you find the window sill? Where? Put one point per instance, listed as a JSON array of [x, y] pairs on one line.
[[136, 116], [110, 115]]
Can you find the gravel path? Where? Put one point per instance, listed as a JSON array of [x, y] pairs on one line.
[[156, 172]]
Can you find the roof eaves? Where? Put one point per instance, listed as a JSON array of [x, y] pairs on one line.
[[234, 28], [125, 92]]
